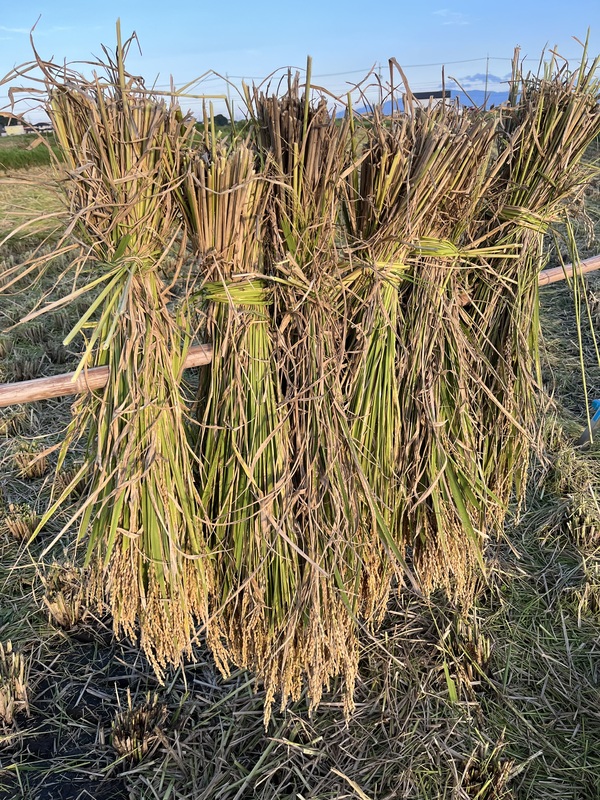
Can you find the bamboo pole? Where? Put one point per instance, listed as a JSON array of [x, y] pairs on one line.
[[556, 274], [88, 381], [96, 378]]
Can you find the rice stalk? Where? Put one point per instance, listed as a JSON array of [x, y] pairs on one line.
[[120, 148], [243, 438], [305, 148], [14, 684], [21, 520]]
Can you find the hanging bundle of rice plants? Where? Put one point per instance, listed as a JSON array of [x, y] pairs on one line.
[[536, 183], [243, 438], [407, 209], [305, 149], [139, 513], [375, 221], [445, 500]]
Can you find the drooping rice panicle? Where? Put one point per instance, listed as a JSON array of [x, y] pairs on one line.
[[243, 441], [120, 147], [305, 147]]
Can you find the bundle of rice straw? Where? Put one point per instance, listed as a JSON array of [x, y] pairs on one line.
[[305, 149], [537, 181], [244, 438], [140, 508]]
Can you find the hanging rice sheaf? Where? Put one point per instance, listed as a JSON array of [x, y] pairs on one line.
[[141, 504], [305, 148], [445, 502], [370, 291], [243, 441], [406, 209], [537, 181], [371, 201]]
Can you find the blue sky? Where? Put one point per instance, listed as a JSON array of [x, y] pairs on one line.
[[251, 39]]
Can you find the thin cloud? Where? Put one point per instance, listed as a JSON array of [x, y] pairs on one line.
[[451, 17], [39, 31], [13, 30], [480, 77]]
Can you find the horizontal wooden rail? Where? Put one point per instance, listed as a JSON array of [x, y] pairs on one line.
[[557, 274], [88, 381], [97, 377]]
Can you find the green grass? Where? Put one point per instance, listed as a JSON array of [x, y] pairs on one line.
[[25, 152]]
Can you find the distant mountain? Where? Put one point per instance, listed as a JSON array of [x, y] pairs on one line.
[[474, 98]]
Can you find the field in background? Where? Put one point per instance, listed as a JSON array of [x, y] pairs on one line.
[[26, 151], [501, 703]]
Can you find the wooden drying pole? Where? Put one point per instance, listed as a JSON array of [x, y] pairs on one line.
[[97, 377], [88, 381], [557, 274]]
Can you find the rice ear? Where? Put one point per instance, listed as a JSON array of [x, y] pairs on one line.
[[138, 515]]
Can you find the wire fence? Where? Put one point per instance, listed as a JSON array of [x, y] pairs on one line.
[[484, 73]]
